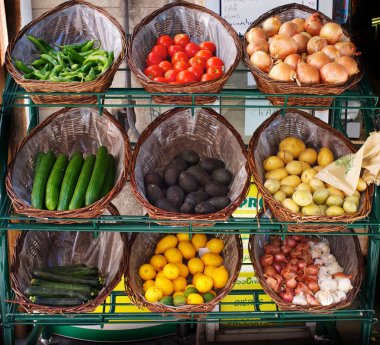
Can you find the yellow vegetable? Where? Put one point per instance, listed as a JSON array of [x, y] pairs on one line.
[[272, 163], [183, 270], [320, 196], [291, 205], [208, 270], [325, 157], [195, 265], [148, 284], [292, 145], [333, 211], [335, 191], [303, 186], [288, 190], [315, 184], [272, 185], [309, 156], [179, 284], [292, 181], [199, 241], [165, 285], [277, 174], [173, 255], [204, 284], [171, 271], [308, 175], [302, 197], [158, 262], [212, 259], [334, 200], [220, 277], [215, 245], [294, 168], [311, 210], [195, 298], [187, 249], [165, 243], [304, 165], [362, 186], [350, 206], [153, 294], [353, 199], [323, 209], [183, 237], [285, 156], [279, 196]]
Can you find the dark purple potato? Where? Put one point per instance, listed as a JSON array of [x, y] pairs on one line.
[[166, 205], [200, 174], [187, 182], [210, 164], [219, 202], [171, 176], [204, 207], [175, 195], [153, 193], [153, 178], [187, 208], [222, 175], [189, 156], [180, 164], [216, 189], [196, 197]]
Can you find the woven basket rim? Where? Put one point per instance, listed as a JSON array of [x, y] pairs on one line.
[[90, 211], [310, 309], [279, 211], [157, 213]]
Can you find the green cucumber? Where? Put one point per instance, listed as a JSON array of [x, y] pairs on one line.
[[90, 272], [97, 178], [59, 278], [48, 292], [40, 179], [54, 182], [109, 181], [85, 289], [56, 302], [77, 200], [38, 160], [69, 181]]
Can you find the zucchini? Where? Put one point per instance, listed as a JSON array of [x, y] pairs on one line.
[[59, 278], [49, 292], [77, 200], [54, 182], [85, 289], [56, 302], [97, 178], [69, 181], [40, 179], [87, 271], [109, 181]]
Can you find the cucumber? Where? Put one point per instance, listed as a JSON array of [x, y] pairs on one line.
[[85, 289], [88, 272], [97, 178], [77, 200], [109, 181], [69, 181], [59, 278], [49, 292], [38, 160], [40, 179], [56, 302], [54, 182]]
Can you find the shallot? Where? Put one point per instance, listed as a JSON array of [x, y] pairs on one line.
[[261, 60], [283, 72], [280, 257], [314, 24], [266, 260], [271, 249], [271, 26], [269, 271], [281, 46], [331, 32], [333, 73], [349, 64], [316, 44], [288, 29], [287, 295], [291, 283], [290, 241]]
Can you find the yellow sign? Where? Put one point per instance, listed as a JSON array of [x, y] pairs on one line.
[[252, 204]]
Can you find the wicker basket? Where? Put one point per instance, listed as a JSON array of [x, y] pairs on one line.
[[200, 24], [34, 249], [314, 133], [69, 23], [67, 131], [207, 133], [340, 247], [141, 248], [270, 86]]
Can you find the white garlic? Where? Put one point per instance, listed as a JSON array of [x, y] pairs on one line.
[[338, 296], [324, 297], [323, 247], [315, 253], [326, 284], [299, 299], [344, 284], [334, 268], [324, 273], [319, 262], [328, 258]]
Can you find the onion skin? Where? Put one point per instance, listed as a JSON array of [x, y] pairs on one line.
[[314, 24], [311, 300], [285, 249], [291, 283], [316, 44], [273, 283], [346, 48], [331, 32], [271, 249], [306, 34], [318, 60], [271, 26], [307, 74], [292, 60], [333, 73], [266, 260], [287, 295], [332, 52], [300, 23], [302, 263], [281, 46], [298, 238], [303, 246], [288, 29], [255, 33], [262, 61], [312, 270], [342, 275], [282, 72], [277, 266], [313, 286], [257, 45], [269, 271], [290, 241], [288, 273], [279, 257], [301, 41]]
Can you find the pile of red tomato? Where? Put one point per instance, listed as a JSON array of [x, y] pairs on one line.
[[179, 61]]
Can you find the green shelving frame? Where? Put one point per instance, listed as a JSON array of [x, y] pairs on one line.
[[361, 311]]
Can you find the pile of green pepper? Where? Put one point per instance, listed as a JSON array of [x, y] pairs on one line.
[[71, 63]]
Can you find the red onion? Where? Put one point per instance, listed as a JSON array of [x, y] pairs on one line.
[[291, 283], [311, 300], [331, 32], [293, 261], [266, 260], [286, 249], [312, 270], [316, 44], [307, 74], [269, 271], [303, 246], [333, 73], [287, 273], [277, 266], [301, 287], [281, 46], [288, 29], [318, 60], [296, 253], [313, 24], [290, 241], [275, 240], [298, 238], [302, 263], [271, 249], [287, 295], [279, 257], [313, 286]]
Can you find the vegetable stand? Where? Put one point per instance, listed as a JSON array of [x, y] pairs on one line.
[[361, 310]]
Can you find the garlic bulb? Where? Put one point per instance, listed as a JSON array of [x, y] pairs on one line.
[[315, 253], [319, 262], [338, 296], [323, 247], [326, 284], [324, 297], [299, 299], [324, 273], [328, 258], [344, 284], [334, 268]]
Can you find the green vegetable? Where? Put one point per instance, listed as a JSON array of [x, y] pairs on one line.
[[21, 66], [38, 160], [51, 292], [85, 289], [74, 55], [50, 59], [61, 302], [41, 45], [60, 278], [87, 46], [38, 62], [83, 271], [110, 176]]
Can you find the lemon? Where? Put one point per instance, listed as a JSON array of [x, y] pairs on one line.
[[153, 294], [160, 275], [165, 285], [189, 291], [177, 293], [195, 277], [147, 272], [165, 243], [195, 298], [158, 262], [187, 249], [148, 284], [220, 277], [199, 241], [183, 270], [195, 265], [167, 300], [215, 245], [208, 270], [179, 284], [204, 283], [173, 255], [171, 271], [183, 237], [212, 259]]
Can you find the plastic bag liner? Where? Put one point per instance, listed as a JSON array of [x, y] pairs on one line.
[[71, 25], [74, 130]]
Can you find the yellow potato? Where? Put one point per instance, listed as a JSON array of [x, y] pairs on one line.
[[285, 156], [322, 209], [279, 196], [288, 190], [302, 197], [277, 174], [294, 168], [320, 196], [362, 186], [315, 184], [272, 185], [349, 206], [352, 198], [304, 165], [292, 145], [272, 163], [303, 186], [317, 168], [309, 156], [291, 205], [308, 175], [335, 191], [334, 200], [311, 210], [325, 157], [292, 180], [357, 194], [334, 211]]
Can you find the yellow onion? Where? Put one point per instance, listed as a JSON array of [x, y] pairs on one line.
[[281, 46], [346, 48], [257, 45], [292, 60], [316, 44], [313, 24], [300, 23], [301, 41], [288, 29], [307, 74], [282, 72], [318, 60], [262, 61], [331, 32], [306, 34], [255, 33], [349, 64], [271, 26], [333, 73], [344, 38], [332, 52]]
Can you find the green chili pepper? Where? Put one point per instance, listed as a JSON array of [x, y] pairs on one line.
[[111, 58], [38, 62], [59, 79], [75, 67], [87, 46], [60, 59], [75, 56], [97, 59], [89, 52], [41, 76], [55, 71], [45, 68], [91, 75], [22, 67], [29, 75], [76, 46], [50, 59], [41, 45]]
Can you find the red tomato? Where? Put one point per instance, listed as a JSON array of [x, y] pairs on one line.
[[191, 49], [165, 40], [197, 62], [186, 77], [207, 77], [161, 80], [179, 56], [173, 49], [215, 71], [214, 62], [197, 72], [181, 65], [171, 75], [153, 59], [204, 54], [181, 40], [160, 50], [154, 71], [165, 65], [208, 46]]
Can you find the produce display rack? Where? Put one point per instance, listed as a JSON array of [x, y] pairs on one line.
[[361, 311]]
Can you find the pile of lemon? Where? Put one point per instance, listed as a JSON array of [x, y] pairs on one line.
[[184, 271]]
